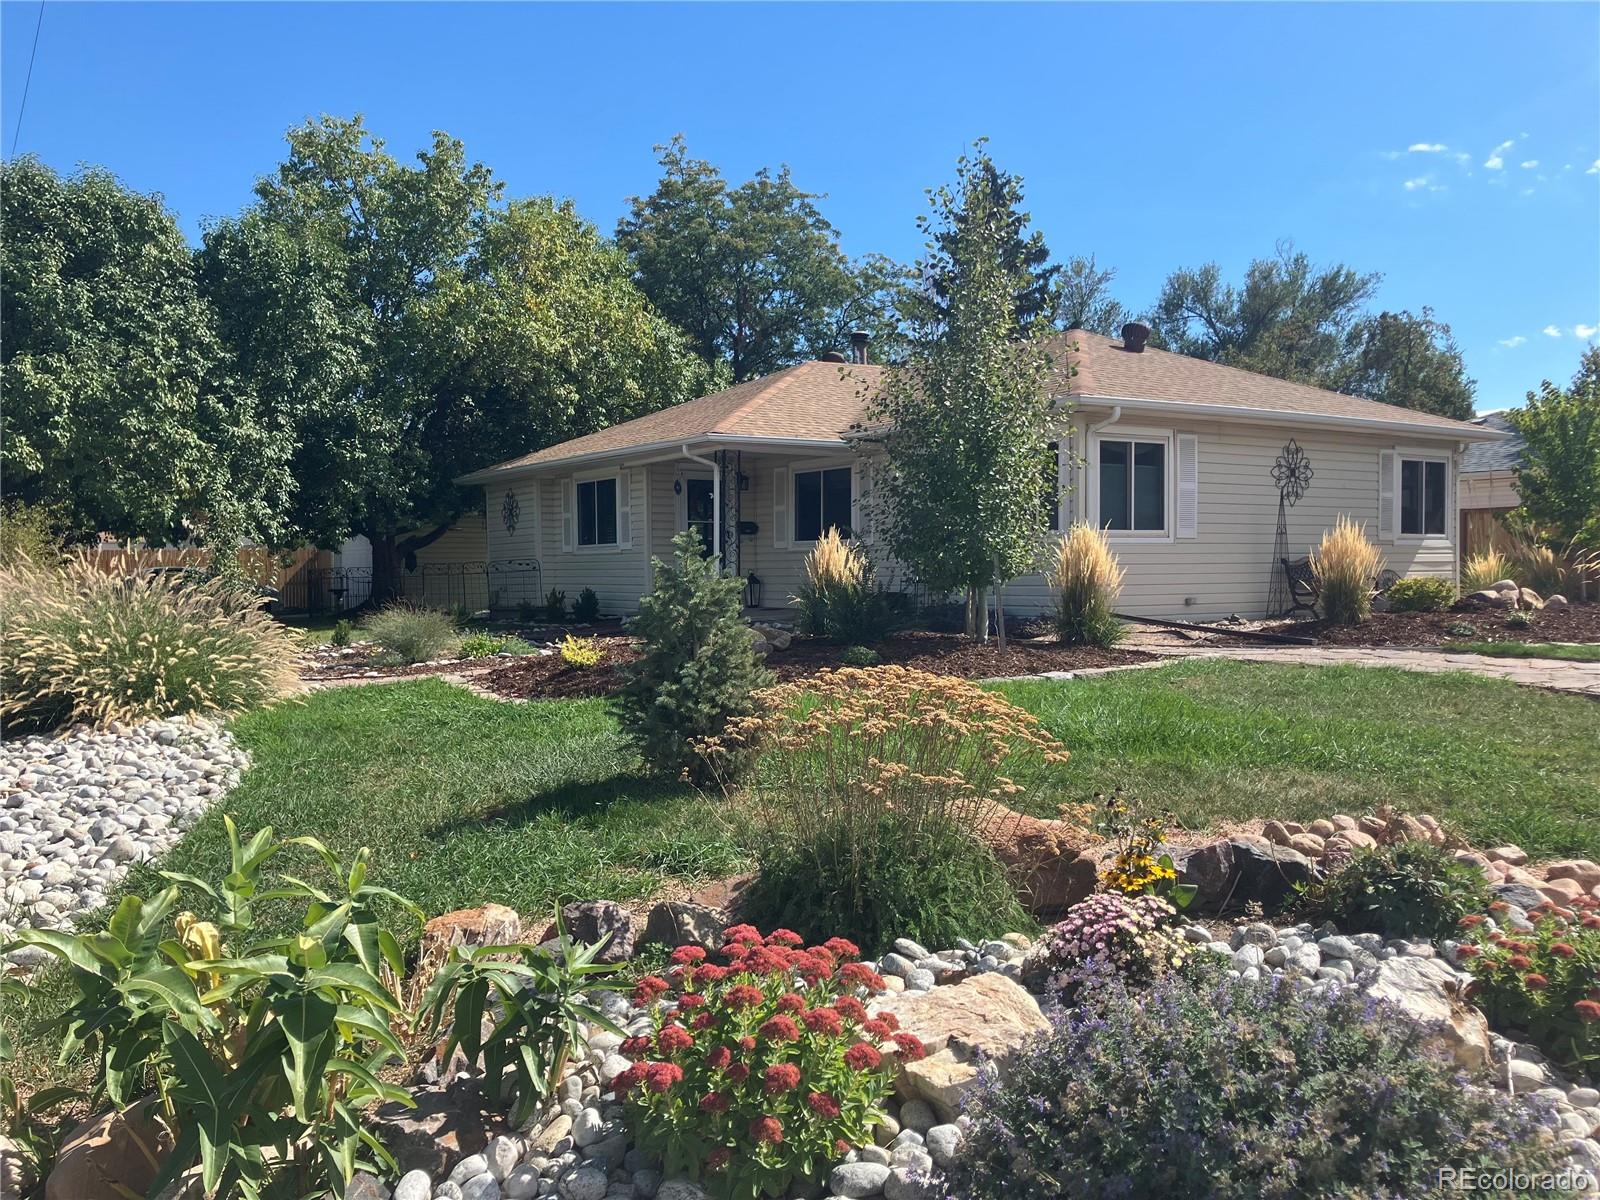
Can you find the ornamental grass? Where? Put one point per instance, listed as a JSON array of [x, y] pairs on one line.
[[1087, 580], [1484, 569], [873, 785], [1346, 566], [83, 644]]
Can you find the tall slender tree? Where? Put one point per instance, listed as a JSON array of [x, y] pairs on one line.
[[1559, 479], [1410, 361], [961, 496]]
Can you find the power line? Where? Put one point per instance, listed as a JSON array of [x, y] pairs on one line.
[[23, 107]]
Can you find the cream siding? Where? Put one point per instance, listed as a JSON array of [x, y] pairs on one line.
[[1226, 567]]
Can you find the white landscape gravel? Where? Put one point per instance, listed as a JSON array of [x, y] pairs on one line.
[[77, 808]]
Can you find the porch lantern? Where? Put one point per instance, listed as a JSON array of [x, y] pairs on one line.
[[752, 590]]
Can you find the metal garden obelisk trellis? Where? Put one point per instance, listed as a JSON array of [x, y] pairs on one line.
[[1292, 473]]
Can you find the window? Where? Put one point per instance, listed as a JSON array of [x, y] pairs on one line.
[[1052, 487], [597, 512], [1133, 486], [821, 502], [1422, 496]]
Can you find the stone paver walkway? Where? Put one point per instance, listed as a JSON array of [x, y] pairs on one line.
[[1582, 678]]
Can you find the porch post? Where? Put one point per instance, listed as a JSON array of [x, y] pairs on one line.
[[716, 509]]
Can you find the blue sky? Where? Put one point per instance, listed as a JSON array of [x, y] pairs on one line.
[[1454, 148]]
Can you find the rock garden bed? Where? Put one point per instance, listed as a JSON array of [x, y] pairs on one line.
[[77, 809], [971, 1008]]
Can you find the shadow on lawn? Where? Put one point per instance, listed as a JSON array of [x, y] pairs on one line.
[[573, 801]]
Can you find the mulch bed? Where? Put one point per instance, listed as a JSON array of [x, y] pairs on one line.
[[943, 653], [1575, 623], [954, 654], [547, 677]]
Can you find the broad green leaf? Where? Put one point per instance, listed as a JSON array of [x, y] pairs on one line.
[[308, 1025], [203, 1092]]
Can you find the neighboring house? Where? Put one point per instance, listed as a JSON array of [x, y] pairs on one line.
[[1174, 455], [1488, 488]]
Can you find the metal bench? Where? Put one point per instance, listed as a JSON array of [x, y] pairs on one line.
[[1303, 589]]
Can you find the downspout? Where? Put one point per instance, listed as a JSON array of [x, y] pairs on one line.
[[716, 499], [1089, 432]]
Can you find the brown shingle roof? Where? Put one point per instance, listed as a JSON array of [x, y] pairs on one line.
[[819, 401], [811, 401], [1106, 369]]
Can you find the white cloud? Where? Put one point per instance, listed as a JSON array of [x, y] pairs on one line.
[[1530, 164], [1511, 343], [1595, 169], [1412, 185], [1496, 159], [1426, 148], [1585, 331], [1551, 331]]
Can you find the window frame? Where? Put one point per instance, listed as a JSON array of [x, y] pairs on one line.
[[597, 547], [1167, 439], [1403, 455], [795, 471]]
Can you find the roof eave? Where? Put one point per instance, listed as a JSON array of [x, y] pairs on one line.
[[1455, 430], [712, 440]]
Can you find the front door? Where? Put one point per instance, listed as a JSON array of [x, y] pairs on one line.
[[699, 507]]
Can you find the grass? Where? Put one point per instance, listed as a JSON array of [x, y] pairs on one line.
[[1220, 741], [316, 629], [466, 800], [1569, 650]]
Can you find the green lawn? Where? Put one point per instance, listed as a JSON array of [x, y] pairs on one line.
[[1224, 740], [465, 800], [1575, 651]]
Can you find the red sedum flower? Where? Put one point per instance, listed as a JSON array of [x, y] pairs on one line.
[[742, 995], [767, 1129], [780, 1078], [716, 1102], [823, 1020], [779, 1029], [862, 1057], [649, 988], [1535, 982], [718, 1159], [660, 1077], [1588, 1011], [910, 1046], [823, 1105], [673, 1038], [684, 955]]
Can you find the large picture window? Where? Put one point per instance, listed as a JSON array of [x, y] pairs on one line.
[[821, 502], [1133, 485], [597, 512], [1423, 495]]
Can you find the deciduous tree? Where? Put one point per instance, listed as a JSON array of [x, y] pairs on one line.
[[962, 497], [753, 274], [121, 414], [1559, 478], [1289, 318], [1409, 360]]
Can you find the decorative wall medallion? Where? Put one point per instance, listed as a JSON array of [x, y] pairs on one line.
[[1292, 473], [510, 511]]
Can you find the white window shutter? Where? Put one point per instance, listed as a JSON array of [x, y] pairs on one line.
[[1188, 520], [625, 510], [569, 535], [1386, 503], [780, 508]]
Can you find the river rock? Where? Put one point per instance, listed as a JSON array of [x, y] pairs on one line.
[[1428, 990]]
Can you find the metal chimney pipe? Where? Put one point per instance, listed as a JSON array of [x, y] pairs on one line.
[[858, 345]]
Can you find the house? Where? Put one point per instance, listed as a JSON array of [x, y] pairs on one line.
[[1175, 456], [1488, 488]]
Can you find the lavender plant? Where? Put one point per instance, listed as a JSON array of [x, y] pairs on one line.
[[1206, 1086]]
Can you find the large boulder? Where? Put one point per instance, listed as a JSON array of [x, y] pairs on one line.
[[683, 923], [1428, 990], [1045, 859], [1489, 598], [449, 1123], [593, 921], [487, 925], [1231, 872], [114, 1154], [987, 1018]]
